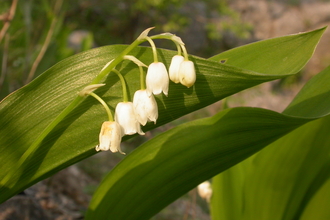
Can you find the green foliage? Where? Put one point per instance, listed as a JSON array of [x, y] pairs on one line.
[[174, 162], [282, 180]]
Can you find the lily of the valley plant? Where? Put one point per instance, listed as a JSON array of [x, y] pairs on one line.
[[129, 116], [42, 131]]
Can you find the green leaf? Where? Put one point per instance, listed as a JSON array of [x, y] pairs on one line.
[[297, 165], [310, 100], [318, 206], [27, 112], [286, 174], [171, 164], [285, 180], [273, 55], [174, 162], [279, 181], [228, 204]]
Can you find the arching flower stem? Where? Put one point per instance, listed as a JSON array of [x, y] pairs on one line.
[[106, 107], [142, 78], [185, 54], [178, 48], [154, 50], [123, 84]]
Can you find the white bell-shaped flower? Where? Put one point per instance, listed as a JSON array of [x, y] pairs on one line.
[[157, 79], [145, 107], [187, 74], [205, 190], [110, 137], [126, 118], [174, 68]]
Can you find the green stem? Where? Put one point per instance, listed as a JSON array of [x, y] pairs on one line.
[[123, 84], [142, 78], [178, 47], [106, 107], [154, 50], [116, 61], [185, 54], [162, 36]]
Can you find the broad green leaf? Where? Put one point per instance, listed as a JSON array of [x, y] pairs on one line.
[[318, 206], [263, 56], [288, 173], [310, 100], [281, 181], [284, 180], [278, 182], [26, 112], [171, 164], [227, 204]]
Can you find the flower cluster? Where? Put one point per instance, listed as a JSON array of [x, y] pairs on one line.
[[129, 116]]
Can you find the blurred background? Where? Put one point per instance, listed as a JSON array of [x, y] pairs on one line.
[[36, 34]]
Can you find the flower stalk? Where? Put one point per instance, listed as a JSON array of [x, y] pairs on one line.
[[142, 79], [123, 84], [154, 50], [106, 107]]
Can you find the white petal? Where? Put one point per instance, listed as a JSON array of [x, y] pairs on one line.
[[110, 137], [116, 138], [205, 190], [174, 68], [187, 73], [157, 79], [138, 103], [145, 107], [126, 117]]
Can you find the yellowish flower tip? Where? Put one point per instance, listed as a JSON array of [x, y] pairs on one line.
[[135, 60], [187, 74], [205, 190], [157, 79], [110, 137], [126, 117], [89, 89], [145, 33], [145, 107]]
